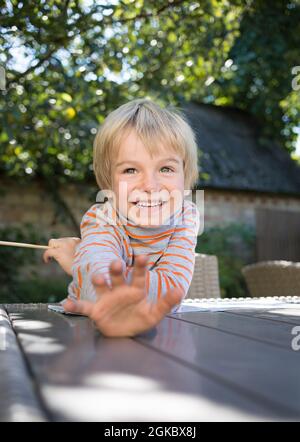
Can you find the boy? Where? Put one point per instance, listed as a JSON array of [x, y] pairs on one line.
[[135, 259]]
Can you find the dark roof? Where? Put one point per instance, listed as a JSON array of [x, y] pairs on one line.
[[232, 155]]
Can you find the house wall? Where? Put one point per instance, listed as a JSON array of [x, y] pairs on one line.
[[21, 204], [222, 207]]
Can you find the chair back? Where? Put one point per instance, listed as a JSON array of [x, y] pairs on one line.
[[273, 278], [205, 282]]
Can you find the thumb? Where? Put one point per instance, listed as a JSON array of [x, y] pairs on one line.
[[48, 254], [81, 307]]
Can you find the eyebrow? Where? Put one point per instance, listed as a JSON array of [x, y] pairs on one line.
[[174, 160]]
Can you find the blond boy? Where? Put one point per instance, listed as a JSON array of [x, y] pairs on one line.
[[135, 259]]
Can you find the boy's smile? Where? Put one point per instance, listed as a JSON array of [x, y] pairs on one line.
[[148, 189]]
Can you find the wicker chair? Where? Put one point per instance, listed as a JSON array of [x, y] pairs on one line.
[[205, 282], [273, 278]]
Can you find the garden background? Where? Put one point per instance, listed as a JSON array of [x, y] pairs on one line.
[[67, 64]]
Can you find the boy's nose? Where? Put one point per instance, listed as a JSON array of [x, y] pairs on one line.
[[150, 183]]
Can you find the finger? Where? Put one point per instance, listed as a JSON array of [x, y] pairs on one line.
[[53, 243], [83, 307], [48, 254], [116, 274], [165, 304], [100, 284], [139, 272], [69, 239]]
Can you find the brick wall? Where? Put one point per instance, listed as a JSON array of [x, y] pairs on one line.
[[227, 206], [31, 203]]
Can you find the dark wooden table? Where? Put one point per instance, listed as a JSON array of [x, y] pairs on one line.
[[196, 366]]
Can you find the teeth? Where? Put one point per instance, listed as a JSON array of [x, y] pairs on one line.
[[145, 204]]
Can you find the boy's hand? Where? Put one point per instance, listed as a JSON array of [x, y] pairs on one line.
[[123, 310], [63, 251]]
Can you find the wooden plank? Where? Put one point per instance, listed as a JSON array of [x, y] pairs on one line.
[[284, 316], [254, 327], [18, 398], [256, 368], [84, 376], [277, 235]]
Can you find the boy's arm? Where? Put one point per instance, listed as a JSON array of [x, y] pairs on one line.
[[99, 246]]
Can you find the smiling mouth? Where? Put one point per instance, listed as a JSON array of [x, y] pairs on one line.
[[148, 205]]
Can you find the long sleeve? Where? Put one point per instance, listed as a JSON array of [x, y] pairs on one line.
[[99, 246], [176, 266]]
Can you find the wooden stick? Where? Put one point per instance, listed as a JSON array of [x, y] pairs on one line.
[[20, 244]]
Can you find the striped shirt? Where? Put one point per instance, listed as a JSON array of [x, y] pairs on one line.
[[105, 237]]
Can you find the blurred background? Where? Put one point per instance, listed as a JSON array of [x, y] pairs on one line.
[[233, 68]]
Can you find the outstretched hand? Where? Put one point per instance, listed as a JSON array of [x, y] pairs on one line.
[[123, 309]]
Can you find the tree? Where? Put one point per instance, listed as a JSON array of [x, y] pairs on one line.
[[80, 59]]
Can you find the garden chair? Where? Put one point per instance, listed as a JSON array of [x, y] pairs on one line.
[[205, 282], [273, 278]]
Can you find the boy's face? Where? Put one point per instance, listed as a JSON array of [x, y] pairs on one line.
[[139, 180]]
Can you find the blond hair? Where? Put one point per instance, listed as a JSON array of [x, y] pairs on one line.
[[152, 125]]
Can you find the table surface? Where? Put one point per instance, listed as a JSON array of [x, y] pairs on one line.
[[196, 366]]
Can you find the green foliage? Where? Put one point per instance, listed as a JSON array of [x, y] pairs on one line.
[[15, 286], [41, 290], [83, 59], [13, 258], [234, 246]]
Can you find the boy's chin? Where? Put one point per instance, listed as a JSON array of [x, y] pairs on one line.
[[151, 221], [150, 218]]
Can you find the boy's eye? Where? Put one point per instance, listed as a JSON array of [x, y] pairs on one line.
[[168, 169], [129, 169]]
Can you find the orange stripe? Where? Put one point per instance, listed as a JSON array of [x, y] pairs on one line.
[[167, 281], [181, 229], [182, 238], [77, 292], [167, 278], [92, 214], [150, 263], [147, 282], [124, 242], [175, 284], [99, 233], [179, 256], [177, 247], [79, 277], [92, 244], [159, 235], [90, 231], [168, 263], [182, 275], [107, 241], [158, 285], [146, 242], [88, 223], [79, 254]]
